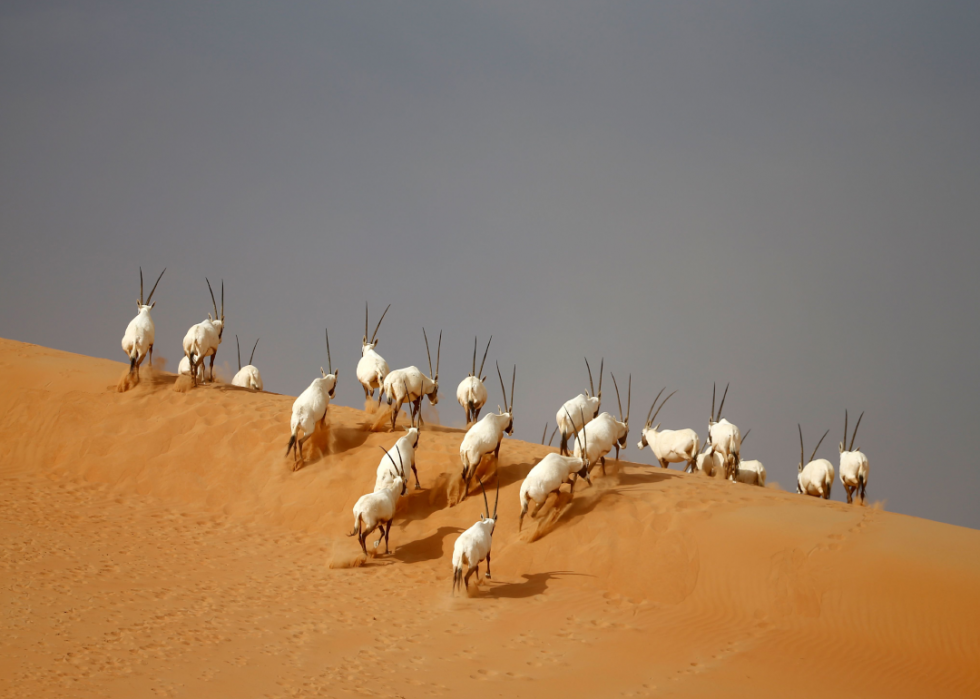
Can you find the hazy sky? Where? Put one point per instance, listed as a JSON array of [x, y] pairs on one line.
[[785, 197]]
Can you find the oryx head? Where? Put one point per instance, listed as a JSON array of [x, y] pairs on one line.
[[799, 476], [370, 345], [623, 424], [219, 320], [840, 447], [487, 517], [330, 378], [651, 416], [595, 398], [509, 412], [145, 307], [434, 391]]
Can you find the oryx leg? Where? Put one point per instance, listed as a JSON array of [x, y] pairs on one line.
[[476, 413], [617, 451], [602, 460], [418, 486], [151, 355], [212, 366], [488, 565], [381, 535]]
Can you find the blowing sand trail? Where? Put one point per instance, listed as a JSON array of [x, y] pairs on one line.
[[155, 543]]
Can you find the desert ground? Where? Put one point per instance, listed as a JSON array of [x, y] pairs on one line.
[[157, 543]]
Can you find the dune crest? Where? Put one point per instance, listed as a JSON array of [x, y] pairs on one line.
[[159, 542]]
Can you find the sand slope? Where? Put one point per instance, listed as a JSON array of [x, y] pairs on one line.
[[157, 543]]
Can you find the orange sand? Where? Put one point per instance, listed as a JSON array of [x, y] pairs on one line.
[[157, 543]]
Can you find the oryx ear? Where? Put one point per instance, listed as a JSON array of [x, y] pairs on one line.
[[840, 447], [336, 373], [152, 305], [657, 427], [482, 517], [377, 342], [210, 318], [323, 372], [139, 306]]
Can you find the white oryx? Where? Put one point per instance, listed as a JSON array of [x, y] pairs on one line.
[[310, 409], [371, 367], [584, 407], [724, 436], [750, 472], [405, 447], [377, 509], [817, 476], [853, 465], [710, 461], [471, 392], [669, 446], [410, 385], [548, 475], [184, 369], [605, 432], [248, 376], [137, 341], [202, 340], [485, 436], [474, 544]]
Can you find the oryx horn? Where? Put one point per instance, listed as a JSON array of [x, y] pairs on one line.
[[365, 321], [714, 387], [474, 356], [618, 401], [239, 348], [545, 433], [252, 356], [473, 370], [329, 360], [379, 324], [854, 436], [654, 404], [486, 503], [801, 445], [150, 297], [591, 385], [818, 445], [222, 299], [742, 441], [662, 403], [502, 389], [496, 499], [722, 406], [212, 298], [429, 356]]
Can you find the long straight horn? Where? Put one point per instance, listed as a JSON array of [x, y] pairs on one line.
[[379, 324], [585, 436], [486, 503], [329, 360], [438, 355], [662, 403], [484, 356], [818, 445], [629, 397], [744, 436], [502, 389], [602, 364], [365, 320], [150, 297], [473, 370], [252, 356], [212, 298], [591, 386], [429, 356], [513, 378], [618, 401], [496, 499], [545, 433], [390, 457], [239, 348], [654, 405], [844, 443], [714, 386], [141, 288], [222, 299], [553, 433], [722, 406], [801, 444], [851, 448]]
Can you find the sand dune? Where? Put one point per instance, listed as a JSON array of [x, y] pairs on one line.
[[157, 543]]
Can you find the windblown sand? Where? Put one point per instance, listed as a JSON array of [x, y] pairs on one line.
[[156, 543]]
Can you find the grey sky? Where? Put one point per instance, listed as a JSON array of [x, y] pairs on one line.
[[781, 197]]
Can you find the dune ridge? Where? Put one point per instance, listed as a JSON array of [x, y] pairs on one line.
[[158, 542]]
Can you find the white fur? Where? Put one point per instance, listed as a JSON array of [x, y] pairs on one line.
[[575, 414], [602, 434], [402, 452], [853, 472], [248, 377], [377, 508], [751, 472], [202, 340], [727, 440], [816, 478], [484, 437], [184, 369], [409, 385], [672, 446], [472, 395], [547, 477], [472, 547], [310, 409], [371, 370], [138, 339]]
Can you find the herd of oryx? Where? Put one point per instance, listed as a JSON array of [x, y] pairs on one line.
[[594, 434]]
